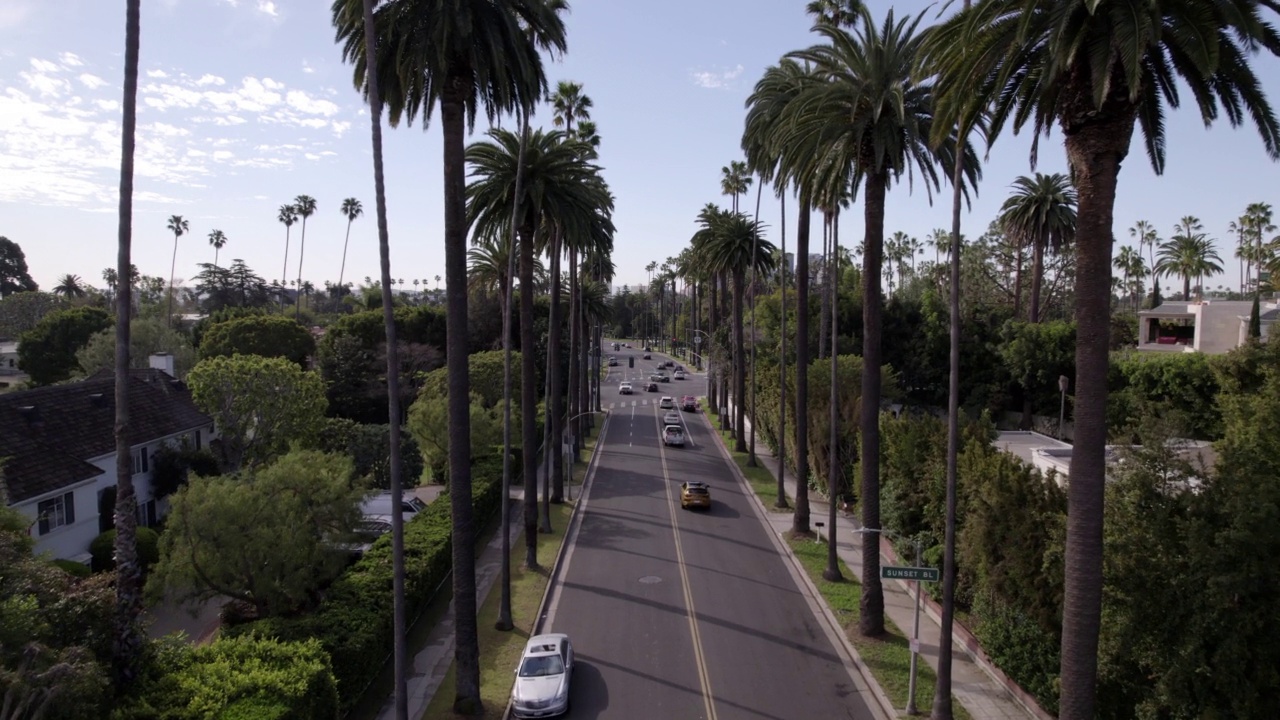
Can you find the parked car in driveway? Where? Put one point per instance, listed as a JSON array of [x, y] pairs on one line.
[[380, 504], [542, 678], [673, 435], [624, 388]]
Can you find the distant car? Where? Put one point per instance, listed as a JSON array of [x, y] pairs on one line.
[[542, 679], [624, 388], [673, 435], [695, 494], [679, 375], [663, 377], [380, 504], [667, 402], [655, 377], [647, 356], [671, 418], [651, 387], [680, 368], [689, 403], [613, 361]]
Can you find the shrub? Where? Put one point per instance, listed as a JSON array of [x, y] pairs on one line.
[[73, 568], [1020, 647], [103, 547], [353, 622], [236, 678]]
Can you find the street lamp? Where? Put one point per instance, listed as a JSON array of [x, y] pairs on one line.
[[567, 444]]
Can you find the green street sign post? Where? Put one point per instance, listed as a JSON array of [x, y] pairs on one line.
[[895, 572]]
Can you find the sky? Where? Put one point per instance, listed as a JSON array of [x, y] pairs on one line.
[[246, 104]]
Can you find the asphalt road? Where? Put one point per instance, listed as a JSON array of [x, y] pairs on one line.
[[685, 614]]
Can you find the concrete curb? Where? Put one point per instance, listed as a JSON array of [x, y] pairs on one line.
[[570, 536], [833, 624]]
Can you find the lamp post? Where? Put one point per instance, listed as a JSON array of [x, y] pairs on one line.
[[1063, 384], [566, 446]]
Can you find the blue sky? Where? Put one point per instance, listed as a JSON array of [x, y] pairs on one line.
[[245, 104]]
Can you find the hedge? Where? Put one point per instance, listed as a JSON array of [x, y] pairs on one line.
[[354, 621], [102, 549], [236, 678]]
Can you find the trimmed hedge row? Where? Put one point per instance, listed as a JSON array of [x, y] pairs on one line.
[[354, 621], [236, 678]]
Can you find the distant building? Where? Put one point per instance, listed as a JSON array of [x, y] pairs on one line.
[[59, 450], [1053, 456], [1213, 327], [10, 374]]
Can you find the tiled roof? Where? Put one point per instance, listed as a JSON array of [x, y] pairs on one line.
[[48, 434]]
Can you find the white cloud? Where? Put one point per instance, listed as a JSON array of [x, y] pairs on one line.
[[44, 66], [70, 60], [93, 82], [159, 74], [301, 102], [716, 79], [306, 67], [207, 79], [13, 13], [266, 7]]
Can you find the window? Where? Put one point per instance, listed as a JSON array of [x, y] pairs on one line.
[[147, 513], [197, 439], [140, 461], [56, 512]]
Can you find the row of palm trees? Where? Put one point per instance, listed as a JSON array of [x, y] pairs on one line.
[[877, 100]]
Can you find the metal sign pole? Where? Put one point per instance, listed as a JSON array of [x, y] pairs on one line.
[[915, 645]]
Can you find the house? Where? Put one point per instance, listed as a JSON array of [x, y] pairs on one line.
[[58, 449], [10, 374], [1208, 326], [1053, 456]]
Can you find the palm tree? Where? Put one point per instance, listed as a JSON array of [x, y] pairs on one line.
[[1040, 213], [69, 286], [835, 13], [127, 638], [1129, 263], [767, 141], [305, 207], [178, 226], [735, 180], [218, 240], [1189, 254], [351, 209], [871, 119], [287, 215], [462, 56], [1145, 233], [1097, 69]]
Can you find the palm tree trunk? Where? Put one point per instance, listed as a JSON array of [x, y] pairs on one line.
[[1037, 279], [800, 521], [1017, 282], [826, 289], [393, 374], [739, 362], [467, 649], [871, 607], [528, 400], [751, 446], [302, 250], [713, 367], [1104, 145], [780, 501], [284, 272], [173, 264], [572, 394], [1186, 281], [832, 572], [555, 400], [342, 269], [726, 420], [127, 639]]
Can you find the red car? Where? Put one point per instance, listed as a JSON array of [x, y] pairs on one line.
[[689, 403]]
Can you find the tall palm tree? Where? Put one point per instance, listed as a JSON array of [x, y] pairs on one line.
[[835, 13], [1189, 253], [305, 207], [126, 645], [1145, 233], [871, 119], [780, 157], [178, 226], [1129, 263], [735, 180], [1098, 68], [69, 286], [287, 215], [463, 56], [1041, 213], [351, 209], [218, 240]]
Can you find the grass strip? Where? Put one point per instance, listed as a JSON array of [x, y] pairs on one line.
[[500, 651], [761, 480]]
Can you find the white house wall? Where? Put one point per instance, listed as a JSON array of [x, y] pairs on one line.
[[69, 541]]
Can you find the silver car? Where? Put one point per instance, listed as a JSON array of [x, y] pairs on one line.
[[542, 680]]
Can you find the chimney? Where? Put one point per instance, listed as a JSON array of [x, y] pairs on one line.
[[163, 361]]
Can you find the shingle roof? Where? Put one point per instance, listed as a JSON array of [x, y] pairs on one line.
[[48, 434]]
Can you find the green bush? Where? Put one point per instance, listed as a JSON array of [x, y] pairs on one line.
[[1020, 647], [73, 568], [102, 549], [236, 678], [353, 622]]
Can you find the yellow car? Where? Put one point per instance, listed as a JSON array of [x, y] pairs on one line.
[[695, 494]]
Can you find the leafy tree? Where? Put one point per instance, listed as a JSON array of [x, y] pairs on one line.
[[70, 286], [1035, 355], [264, 335], [262, 537], [231, 287], [368, 446], [14, 277], [220, 316], [1181, 387], [429, 425], [47, 352], [147, 336], [259, 405], [22, 311]]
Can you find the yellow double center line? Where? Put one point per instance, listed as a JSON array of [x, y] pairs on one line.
[[704, 677]]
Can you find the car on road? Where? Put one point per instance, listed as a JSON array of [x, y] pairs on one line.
[[680, 368], [624, 388], [679, 375], [647, 356], [613, 361], [651, 387], [673, 435], [380, 504], [542, 679], [663, 377], [667, 402], [695, 494], [689, 403], [655, 377]]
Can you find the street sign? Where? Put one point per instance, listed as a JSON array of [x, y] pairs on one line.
[[894, 572], [697, 339]]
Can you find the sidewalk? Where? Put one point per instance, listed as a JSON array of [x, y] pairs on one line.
[[980, 693]]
